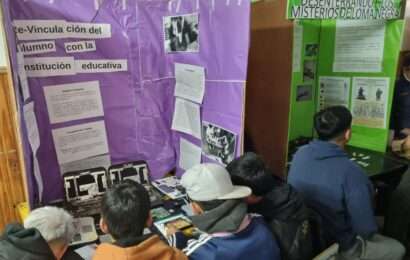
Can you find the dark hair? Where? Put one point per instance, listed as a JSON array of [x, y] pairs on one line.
[[125, 208], [250, 170], [332, 122], [406, 60]]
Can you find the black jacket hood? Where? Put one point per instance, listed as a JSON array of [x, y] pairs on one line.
[[20, 243]]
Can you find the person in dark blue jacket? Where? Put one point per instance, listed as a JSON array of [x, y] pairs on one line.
[[339, 190], [400, 114], [219, 211], [397, 221]]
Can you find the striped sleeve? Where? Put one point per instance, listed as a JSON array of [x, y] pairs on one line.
[[194, 244], [178, 240]]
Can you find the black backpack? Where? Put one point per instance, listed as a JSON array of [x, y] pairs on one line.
[[296, 227]]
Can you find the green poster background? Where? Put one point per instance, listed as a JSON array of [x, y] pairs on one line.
[[371, 138], [300, 123], [301, 112]]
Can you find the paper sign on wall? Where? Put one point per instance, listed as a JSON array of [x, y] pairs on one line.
[[88, 163], [73, 101], [58, 29], [189, 154], [190, 82], [333, 91], [218, 143], [359, 46], [79, 46], [79, 142], [344, 10], [29, 48], [187, 118], [49, 66], [101, 66], [297, 46], [369, 101]]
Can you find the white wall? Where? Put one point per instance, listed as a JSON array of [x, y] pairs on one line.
[[406, 33], [3, 50]]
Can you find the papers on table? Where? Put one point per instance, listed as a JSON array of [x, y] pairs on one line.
[[73, 101], [87, 252], [190, 82], [82, 141], [169, 186], [187, 118], [359, 46], [190, 154], [179, 221]]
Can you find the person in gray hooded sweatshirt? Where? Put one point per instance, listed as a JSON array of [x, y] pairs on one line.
[[219, 211]]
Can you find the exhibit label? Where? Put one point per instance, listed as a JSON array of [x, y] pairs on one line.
[[58, 29], [49, 66], [344, 9], [29, 48]]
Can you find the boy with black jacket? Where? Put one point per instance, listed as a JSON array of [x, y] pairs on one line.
[[282, 207]]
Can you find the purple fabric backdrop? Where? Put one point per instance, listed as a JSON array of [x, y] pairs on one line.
[[139, 103]]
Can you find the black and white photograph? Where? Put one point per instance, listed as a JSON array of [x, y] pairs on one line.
[[218, 143], [181, 33], [311, 50], [304, 93], [309, 70]]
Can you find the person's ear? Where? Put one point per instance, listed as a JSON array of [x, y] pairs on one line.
[[103, 226], [149, 221], [348, 134], [62, 252], [253, 199], [196, 209]]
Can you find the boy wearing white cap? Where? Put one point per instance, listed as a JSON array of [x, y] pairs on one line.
[[219, 211]]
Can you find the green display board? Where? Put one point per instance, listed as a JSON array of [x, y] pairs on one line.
[[303, 106], [323, 32], [344, 9], [367, 137]]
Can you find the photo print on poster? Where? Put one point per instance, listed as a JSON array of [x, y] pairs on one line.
[[181, 33], [311, 50], [369, 101], [309, 70], [304, 92], [218, 143]]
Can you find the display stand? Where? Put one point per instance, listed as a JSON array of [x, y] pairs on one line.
[[369, 66], [97, 84]]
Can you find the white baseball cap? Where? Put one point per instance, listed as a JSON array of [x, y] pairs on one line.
[[209, 181]]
